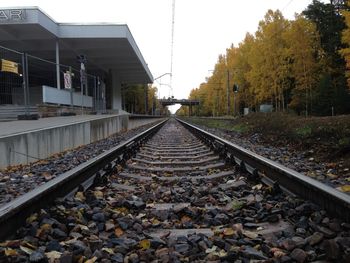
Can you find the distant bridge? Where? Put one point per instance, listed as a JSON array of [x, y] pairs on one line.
[[184, 102]]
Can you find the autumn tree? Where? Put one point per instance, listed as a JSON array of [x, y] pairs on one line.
[[345, 52], [330, 25], [267, 60], [290, 64], [305, 59], [134, 99]]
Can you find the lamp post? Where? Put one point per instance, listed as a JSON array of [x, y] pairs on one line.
[[82, 60], [159, 77], [160, 84], [228, 93]]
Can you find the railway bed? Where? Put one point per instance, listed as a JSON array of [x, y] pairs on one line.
[[177, 195]]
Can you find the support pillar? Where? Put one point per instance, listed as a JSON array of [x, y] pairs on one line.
[[58, 79], [146, 99], [25, 82], [190, 111], [116, 91]]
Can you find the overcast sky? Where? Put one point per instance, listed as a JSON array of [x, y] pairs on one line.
[[203, 29]]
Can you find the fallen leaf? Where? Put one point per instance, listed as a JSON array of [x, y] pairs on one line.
[[98, 194], [26, 250], [43, 231], [277, 253], [250, 234], [344, 188], [139, 216], [108, 250], [236, 205], [118, 232], [332, 176], [222, 253], [52, 255], [92, 260], [47, 175], [155, 221], [83, 227], [27, 244], [32, 218], [10, 252], [228, 232], [145, 244], [257, 187], [80, 196], [121, 210], [185, 219], [211, 250], [11, 243]]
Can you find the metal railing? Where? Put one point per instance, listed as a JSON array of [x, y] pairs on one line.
[[27, 80]]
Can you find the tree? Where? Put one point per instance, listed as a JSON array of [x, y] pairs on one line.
[[345, 52], [286, 63], [267, 72], [304, 55], [330, 25], [241, 69], [134, 99]]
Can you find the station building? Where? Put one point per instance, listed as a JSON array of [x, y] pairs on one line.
[[37, 53]]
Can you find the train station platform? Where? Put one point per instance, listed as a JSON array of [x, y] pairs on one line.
[[25, 141]]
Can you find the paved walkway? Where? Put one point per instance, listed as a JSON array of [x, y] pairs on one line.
[[16, 127]]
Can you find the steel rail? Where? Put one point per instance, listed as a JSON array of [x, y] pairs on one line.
[[14, 214], [330, 199]]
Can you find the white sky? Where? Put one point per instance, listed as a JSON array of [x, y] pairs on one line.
[[203, 29]]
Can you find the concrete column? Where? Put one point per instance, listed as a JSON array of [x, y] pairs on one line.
[[146, 98], [116, 91], [58, 65]]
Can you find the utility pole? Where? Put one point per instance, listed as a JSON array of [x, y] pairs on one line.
[[217, 102], [228, 93]]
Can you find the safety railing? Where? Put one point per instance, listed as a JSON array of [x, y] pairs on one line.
[[27, 80]]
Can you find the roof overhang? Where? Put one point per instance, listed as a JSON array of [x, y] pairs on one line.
[[106, 46]]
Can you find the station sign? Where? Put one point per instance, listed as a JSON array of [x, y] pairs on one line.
[[67, 80], [12, 15], [9, 66]]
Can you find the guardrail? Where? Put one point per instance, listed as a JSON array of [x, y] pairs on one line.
[[14, 214], [330, 199]]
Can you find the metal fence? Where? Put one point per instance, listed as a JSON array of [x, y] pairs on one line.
[[27, 80], [10, 83]]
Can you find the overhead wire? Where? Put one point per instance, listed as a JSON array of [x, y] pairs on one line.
[[288, 4], [172, 48]]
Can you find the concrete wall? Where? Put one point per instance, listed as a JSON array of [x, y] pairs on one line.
[[18, 149], [61, 96], [137, 122]]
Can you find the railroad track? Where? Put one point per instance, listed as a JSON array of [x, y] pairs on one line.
[[166, 195]]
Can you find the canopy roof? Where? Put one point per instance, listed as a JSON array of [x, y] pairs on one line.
[[106, 46]]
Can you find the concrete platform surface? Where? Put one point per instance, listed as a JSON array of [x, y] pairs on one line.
[[23, 142], [17, 127]]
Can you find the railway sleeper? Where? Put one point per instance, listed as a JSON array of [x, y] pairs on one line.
[[188, 219]]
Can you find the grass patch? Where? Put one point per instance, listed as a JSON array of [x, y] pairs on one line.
[[304, 131], [322, 134], [241, 128], [344, 141]]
